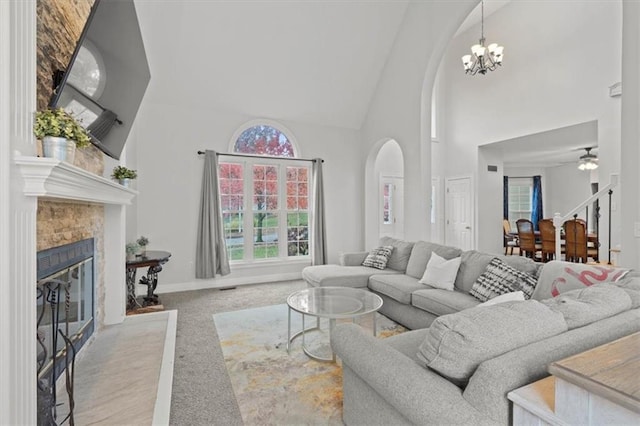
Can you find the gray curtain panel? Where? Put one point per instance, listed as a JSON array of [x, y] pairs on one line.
[[319, 250], [211, 252]]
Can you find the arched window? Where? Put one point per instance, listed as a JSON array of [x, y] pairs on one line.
[[265, 200], [264, 140]]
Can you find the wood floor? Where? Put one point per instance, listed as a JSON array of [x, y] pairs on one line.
[[124, 376]]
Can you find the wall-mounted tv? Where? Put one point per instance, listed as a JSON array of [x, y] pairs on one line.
[[107, 76]]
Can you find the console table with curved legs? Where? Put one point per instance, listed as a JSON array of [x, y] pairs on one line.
[[153, 259]]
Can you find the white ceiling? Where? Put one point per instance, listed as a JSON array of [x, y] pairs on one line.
[[550, 148], [305, 61]]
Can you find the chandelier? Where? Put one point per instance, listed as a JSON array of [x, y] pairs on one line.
[[483, 59], [588, 161]]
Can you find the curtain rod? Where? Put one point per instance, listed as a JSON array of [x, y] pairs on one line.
[[521, 177], [261, 156]]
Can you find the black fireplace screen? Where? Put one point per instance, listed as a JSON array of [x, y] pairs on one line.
[[65, 312]]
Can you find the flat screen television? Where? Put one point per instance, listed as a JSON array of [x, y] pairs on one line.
[[107, 76]]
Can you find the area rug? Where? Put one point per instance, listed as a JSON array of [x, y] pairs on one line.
[[273, 387]]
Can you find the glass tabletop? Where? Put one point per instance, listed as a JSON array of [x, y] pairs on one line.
[[334, 302]]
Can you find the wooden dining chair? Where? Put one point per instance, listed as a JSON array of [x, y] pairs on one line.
[[547, 239], [510, 240], [576, 248], [527, 238]]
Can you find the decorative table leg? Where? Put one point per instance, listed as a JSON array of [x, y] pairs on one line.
[[151, 281], [132, 302]]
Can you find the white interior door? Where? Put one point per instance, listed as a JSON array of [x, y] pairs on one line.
[[391, 218], [459, 213]]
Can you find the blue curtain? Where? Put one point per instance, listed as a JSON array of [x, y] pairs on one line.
[[536, 202], [505, 197]]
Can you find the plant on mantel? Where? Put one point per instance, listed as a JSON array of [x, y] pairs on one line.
[[60, 124], [122, 172]]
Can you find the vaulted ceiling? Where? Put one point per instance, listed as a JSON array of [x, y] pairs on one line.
[[305, 61]]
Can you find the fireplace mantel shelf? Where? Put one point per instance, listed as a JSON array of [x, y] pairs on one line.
[[49, 178]]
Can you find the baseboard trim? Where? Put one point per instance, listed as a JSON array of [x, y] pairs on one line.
[[162, 408], [226, 282]]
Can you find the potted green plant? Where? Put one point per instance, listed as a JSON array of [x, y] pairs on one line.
[[123, 175], [60, 134], [132, 249], [142, 242]]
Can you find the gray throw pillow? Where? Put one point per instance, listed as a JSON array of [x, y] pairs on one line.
[[500, 278], [378, 257], [590, 304], [457, 343], [400, 254]]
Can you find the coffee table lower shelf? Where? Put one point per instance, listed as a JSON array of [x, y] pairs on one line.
[[305, 349]]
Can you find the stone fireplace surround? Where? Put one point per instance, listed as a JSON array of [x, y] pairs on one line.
[[51, 179]]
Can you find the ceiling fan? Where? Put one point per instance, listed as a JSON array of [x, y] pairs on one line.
[[588, 161]]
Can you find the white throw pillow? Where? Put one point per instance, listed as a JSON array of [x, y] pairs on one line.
[[441, 273], [507, 297]]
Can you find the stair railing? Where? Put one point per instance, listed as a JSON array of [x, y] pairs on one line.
[[558, 219]]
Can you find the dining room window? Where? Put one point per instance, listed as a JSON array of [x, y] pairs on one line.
[[520, 199]]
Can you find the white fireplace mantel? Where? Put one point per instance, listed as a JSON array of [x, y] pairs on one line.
[[54, 179]]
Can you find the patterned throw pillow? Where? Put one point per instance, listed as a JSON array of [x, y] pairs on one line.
[[378, 257], [500, 278]]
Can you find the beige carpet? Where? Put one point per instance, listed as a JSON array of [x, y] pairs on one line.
[[273, 387]]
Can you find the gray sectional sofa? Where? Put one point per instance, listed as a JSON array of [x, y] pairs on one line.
[[460, 369], [407, 301]]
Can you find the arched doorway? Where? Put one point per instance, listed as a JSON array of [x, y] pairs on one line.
[[385, 192]]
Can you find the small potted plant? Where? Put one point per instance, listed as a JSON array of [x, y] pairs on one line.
[[123, 175], [60, 134], [132, 249], [142, 242]]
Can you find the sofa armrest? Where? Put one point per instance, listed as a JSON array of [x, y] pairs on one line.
[[419, 394], [353, 259]]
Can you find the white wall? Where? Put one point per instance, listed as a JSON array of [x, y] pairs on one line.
[[630, 173], [170, 175], [566, 188], [401, 109], [545, 83]]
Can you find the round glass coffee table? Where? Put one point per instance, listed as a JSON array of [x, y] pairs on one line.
[[332, 303]]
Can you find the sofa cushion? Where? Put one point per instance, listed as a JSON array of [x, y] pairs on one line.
[[590, 304], [378, 257], [475, 262], [456, 344], [421, 253], [441, 273], [400, 254], [398, 287], [407, 343], [631, 285], [523, 264], [352, 258], [500, 278], [557, 277], [507, 297], [341, 276], [442, 302]]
